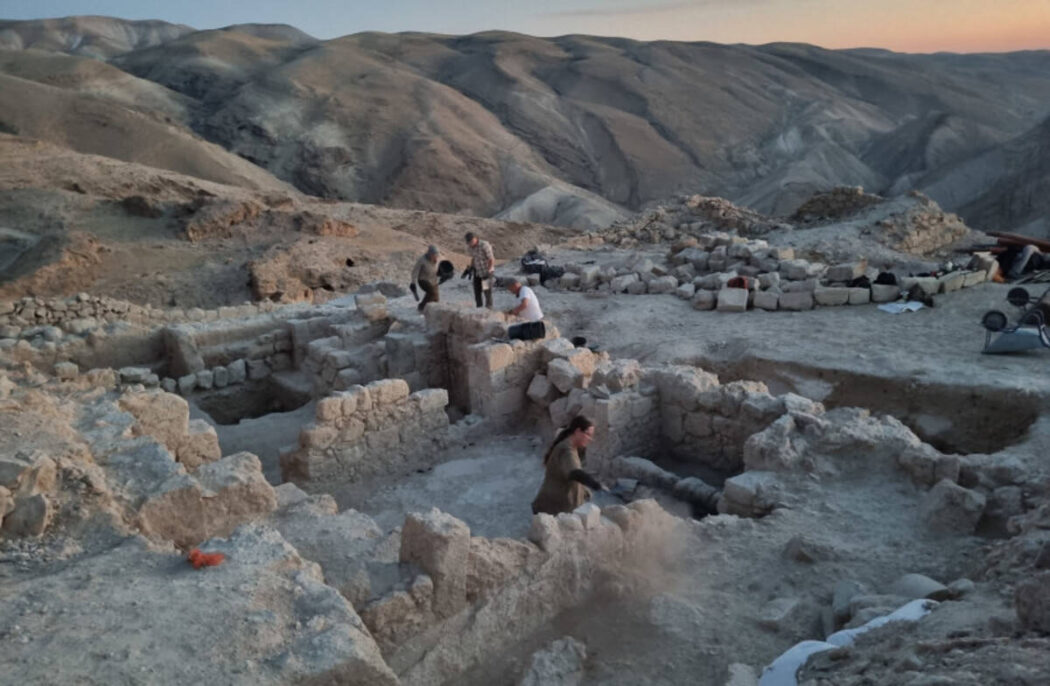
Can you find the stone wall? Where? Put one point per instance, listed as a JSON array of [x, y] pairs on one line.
[[485, 377], [474, 595], [374, 429]]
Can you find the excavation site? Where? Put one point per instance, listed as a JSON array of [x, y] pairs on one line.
[[261, 426]]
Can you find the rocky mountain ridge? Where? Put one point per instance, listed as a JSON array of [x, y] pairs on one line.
[[572, 130]]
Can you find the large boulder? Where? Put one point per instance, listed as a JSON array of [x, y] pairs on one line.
[[439, 544], [950, 508]]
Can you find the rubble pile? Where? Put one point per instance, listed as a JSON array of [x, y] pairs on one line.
[[733, 274], [922, 229], [835, 204]]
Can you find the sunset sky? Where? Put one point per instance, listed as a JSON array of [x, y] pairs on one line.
[[904, 25]]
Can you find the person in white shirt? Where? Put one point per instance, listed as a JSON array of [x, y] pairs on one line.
[[528, 307]]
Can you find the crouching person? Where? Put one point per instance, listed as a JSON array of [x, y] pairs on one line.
[[565, 483], [425, 274]]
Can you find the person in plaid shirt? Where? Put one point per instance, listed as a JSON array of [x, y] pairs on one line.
[[482, 264]]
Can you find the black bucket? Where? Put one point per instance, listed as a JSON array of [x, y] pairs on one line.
[[445, 270], [579, 341]]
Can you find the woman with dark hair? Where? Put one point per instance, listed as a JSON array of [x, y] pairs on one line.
[[564, 484]]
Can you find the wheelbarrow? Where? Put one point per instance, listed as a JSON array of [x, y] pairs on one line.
[[1029, 333]]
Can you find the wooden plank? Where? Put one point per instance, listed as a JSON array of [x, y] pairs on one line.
[[1018, 239]]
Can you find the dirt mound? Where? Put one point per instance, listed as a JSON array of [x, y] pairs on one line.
[[836, 204], [308, 270], [57, 265]]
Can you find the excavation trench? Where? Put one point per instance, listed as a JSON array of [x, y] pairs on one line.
[[960, 419]]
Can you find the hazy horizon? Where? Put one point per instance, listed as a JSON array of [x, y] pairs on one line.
[[963, 26]]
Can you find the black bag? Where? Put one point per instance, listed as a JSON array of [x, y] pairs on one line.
[[886, 279], [528, 331]]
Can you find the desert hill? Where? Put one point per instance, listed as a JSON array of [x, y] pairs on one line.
[[572, 130]]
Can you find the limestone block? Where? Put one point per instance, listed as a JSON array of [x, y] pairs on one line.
[[29, 516], [187, 383], [564, 376], [329, 409], [638, 287], [663, 284], [432, 399], [686, 291], [767, 300], [205, 379], [557, 348], [950, 508], [859, 296], [847, 271], [199, 446], [794, 270], [621, 283], [951, 282], [163, 416], [732, 300], [220, 377], [842, 595], [750, 494], [617, 375], [388, 391], [541, 391], [589, 275], [831, 297], [884, 293], [372, 305], [238, 371], [807, 286], [796, 301], [973, 278], [704, 300], [584, 360], [590, 514], [544, 532], [559, 411], [769, 280], [439, 544]]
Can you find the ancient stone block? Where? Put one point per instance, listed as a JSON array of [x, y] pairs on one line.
[[28, 517], [859, 296], [238, 371], [704, 300], [541, 391], [847, 271], [439, 544], [796, 301], [732, 300], [563, 375], [767, 300], [164, 416], [199, 446], [883, 293], [831, 297]]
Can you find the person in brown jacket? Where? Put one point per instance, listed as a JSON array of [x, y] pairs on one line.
[[565, 483]]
